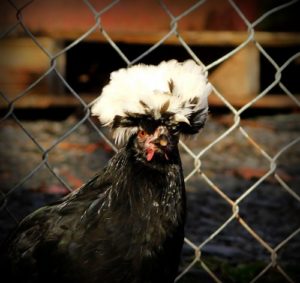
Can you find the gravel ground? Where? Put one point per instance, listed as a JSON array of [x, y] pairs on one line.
[[233, 164]]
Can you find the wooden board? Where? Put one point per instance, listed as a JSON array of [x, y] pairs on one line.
[[43, 101], [23, 62], [238, 76]]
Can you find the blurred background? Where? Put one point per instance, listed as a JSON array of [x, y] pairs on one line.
[[242, 171]]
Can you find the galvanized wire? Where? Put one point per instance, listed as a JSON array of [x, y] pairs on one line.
[[196, 156]]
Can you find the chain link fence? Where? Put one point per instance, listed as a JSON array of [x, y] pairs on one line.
[[195, 155]]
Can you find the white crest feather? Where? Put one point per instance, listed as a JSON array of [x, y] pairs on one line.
[[181, 118], [179, 83]]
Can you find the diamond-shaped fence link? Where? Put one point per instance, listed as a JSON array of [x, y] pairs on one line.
[[197, 171]]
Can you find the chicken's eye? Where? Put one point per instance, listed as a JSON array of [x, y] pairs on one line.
[[142, 134]]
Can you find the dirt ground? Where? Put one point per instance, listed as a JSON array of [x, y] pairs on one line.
[[233, 165]]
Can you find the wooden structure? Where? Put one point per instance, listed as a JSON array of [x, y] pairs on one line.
[[237, 78]]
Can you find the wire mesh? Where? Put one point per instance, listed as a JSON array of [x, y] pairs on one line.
[[196, 156]]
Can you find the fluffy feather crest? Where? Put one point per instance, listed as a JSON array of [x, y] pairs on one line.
[[170, 87]]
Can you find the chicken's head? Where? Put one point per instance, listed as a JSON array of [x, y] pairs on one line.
[[154, 105]]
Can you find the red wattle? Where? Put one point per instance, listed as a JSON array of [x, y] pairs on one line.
[[150, 154]]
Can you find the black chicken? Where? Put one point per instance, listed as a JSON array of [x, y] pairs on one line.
[[127, 223]]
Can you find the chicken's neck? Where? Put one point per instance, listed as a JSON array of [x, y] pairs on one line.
[[153, 198], [140, 183]]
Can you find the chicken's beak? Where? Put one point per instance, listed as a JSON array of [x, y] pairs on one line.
[[159, 137], [158, 140]]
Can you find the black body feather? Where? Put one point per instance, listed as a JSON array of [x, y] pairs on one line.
[[126, 225]]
